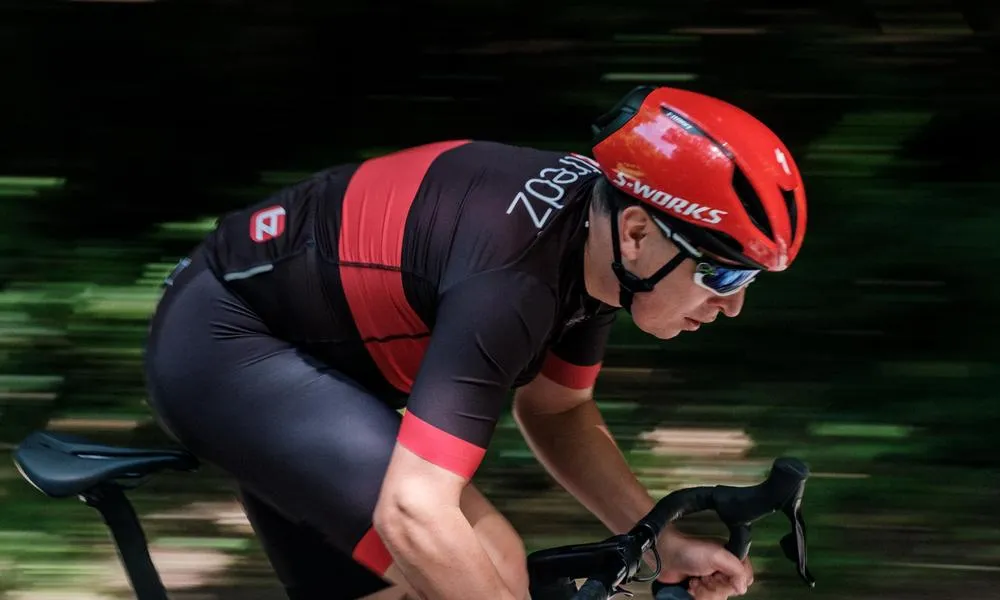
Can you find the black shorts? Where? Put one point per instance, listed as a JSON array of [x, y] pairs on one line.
[[308, 447]]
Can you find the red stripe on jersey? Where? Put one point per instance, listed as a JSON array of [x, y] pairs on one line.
[[567, 374], [439, 447], [373, 218], [372, 553]]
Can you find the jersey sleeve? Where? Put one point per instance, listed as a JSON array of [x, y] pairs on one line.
[[487, 330], [575, 360]]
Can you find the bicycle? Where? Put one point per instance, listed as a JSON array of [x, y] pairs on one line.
[[61, 465]]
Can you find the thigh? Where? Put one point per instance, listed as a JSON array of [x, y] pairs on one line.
[[303, 439], [295, 433], [308, 444], [304, 560]]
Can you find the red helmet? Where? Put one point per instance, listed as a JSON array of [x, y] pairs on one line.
[[715, 172]]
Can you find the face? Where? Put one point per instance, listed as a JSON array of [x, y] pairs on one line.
[[676, 304]]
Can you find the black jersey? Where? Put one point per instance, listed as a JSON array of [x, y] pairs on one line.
[[439, 277]]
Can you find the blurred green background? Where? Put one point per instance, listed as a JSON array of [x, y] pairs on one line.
[[127, 128]]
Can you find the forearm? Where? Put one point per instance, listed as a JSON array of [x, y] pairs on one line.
[[438, 553], [577, 449]]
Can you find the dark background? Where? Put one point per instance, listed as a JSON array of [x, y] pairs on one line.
[[126, 128]]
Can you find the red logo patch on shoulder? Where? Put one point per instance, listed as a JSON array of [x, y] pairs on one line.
[[267, 223]]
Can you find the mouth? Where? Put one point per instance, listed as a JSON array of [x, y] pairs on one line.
[[691, 324]]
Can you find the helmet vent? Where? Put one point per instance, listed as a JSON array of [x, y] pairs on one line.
[[684, 124], [751, 201]]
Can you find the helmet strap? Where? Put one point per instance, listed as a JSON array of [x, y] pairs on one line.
[[629, 283]]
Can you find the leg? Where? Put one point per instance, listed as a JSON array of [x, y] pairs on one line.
[[308, 450], [305, 442], [498, 538], [335, 511], [303, 560]]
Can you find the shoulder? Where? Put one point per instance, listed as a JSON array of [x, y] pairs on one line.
[[506, 288], [518, 157], [531, 186]]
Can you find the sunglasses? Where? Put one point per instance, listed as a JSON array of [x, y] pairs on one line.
[[722, 281], [719, 279]]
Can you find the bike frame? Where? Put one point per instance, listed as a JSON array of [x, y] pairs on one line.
[[65, 466], [130, 540]]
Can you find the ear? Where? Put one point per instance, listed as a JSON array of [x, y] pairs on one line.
[[633, 231]]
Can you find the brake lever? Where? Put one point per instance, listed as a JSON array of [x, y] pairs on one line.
[[794, 543], [738, 508]]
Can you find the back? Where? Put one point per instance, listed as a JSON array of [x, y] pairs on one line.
[[358, 252], [436, 278], [476, 244]]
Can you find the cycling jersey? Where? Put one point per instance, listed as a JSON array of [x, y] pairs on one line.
[[437, 277]]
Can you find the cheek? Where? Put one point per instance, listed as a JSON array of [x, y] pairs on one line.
[[655, 309], [661, 306], [673, 298], [656, 320]]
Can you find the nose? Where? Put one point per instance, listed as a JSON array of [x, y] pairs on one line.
[[731, 305]]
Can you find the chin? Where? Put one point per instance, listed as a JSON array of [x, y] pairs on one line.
[[663, 333]]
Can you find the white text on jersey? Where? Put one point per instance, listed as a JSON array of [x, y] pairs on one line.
[[542, 194]]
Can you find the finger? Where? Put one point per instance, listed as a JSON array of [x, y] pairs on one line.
[[701, 591], [714, 582], [739, 573], [719, 585], [749, 571], [722, 583], [698, 590]]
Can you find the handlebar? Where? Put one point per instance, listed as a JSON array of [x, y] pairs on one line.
[[608, 564]]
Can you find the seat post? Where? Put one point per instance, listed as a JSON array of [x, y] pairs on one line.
[[109, 499]]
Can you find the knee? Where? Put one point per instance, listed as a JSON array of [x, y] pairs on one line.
[[500, 540]]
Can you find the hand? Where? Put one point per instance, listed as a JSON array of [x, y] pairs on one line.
[[711, 587], [716, 573]]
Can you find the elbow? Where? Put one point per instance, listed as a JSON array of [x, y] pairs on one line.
[[530, 420], [516, 412], [525, 414], [390, 522], [401, 522], [526, 424], [415, 496]]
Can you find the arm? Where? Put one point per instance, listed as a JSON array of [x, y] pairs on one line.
[[422, 525], [477, 347], [562, 424], [564, 428], [567, 433]]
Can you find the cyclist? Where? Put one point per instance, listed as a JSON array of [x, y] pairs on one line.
[[437, 279]]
